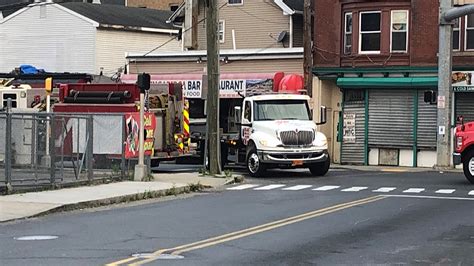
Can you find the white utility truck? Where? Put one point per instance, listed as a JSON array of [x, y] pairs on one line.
[[277, 131]]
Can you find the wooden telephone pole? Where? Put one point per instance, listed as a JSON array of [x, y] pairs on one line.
[[213, 135], [308, 46]]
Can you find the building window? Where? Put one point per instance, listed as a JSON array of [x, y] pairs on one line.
[[174, 7], [43, 11], [221, 31], [469, 39], [399, 31], [456, 35], [235, 2], [348, 33], [369, 37]]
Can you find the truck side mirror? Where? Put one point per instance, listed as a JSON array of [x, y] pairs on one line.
[[322, 116], [237, 114], [460, 119]]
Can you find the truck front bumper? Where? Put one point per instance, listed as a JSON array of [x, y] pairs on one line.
[[457, 158], [293, 158]]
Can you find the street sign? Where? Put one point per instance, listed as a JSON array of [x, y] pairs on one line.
[[349, 128]]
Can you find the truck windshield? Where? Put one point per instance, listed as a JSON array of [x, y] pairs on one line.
[[281, 110]]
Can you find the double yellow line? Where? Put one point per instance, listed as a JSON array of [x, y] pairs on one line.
[[246, 232]]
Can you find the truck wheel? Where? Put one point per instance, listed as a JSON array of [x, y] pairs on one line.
[[255, 167], [320, 169], [468, 166]]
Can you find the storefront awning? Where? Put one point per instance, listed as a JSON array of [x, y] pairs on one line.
[[389, 82]]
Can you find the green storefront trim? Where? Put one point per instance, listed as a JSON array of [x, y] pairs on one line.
[[389, 83], [415, 129], [366, 133], [331, 72]]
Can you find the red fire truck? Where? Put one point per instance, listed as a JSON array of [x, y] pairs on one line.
[[111, 103], [464, 148]]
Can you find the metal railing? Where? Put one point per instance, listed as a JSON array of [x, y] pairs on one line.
[[39, 149]]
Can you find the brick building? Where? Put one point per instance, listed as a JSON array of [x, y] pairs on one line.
[[373, 61]]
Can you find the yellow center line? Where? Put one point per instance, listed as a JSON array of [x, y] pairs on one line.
[[116, 263], [254, 230], [270, 227]]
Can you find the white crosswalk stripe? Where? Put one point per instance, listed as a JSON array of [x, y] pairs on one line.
[[242, 187], [354, 189], [298, 187], [269, 187], [325, 188], [445, 191], [414, 190], [385, 189]]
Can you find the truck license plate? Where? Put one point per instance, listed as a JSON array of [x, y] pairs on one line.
[[297, 162]]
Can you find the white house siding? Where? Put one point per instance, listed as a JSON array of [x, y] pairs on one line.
[[257, 24], [58, 42], [288, 66], [112, 46]]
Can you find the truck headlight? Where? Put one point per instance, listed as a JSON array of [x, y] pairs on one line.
[[320, 140], [263, 142]]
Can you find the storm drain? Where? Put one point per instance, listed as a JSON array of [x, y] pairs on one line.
[[159, 257], [34, 238]]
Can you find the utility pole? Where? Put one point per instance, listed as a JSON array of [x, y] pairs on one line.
[[445, 93], [443, 142], [213, 136], [307, 43]]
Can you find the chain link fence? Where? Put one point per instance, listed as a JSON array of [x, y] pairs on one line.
[[48, 150]]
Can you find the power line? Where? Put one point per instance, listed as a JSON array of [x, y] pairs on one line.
[[171, 39]]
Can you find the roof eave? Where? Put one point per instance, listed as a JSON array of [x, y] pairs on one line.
[[287, 53], [134, 28], [286, 9]]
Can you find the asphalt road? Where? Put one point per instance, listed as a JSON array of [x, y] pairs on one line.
[[288, 218]]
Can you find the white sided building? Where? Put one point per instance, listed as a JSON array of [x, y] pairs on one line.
[[81, 37]]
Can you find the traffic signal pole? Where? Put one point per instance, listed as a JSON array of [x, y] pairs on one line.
[[445, 93], [443, 157], [141, 170]]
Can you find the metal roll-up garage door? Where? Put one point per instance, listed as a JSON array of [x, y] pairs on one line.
[[391, 118], [427, 122], [353, 150], [465, 105]]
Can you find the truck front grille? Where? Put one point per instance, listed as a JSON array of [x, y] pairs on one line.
[[297, 138]]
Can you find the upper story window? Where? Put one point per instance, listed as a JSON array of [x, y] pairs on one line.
[[221, 31], [463, 34], [235, 2], [456, 35], [43, 11], [469, 39], [370, 31], [348, 33], [399, 31], [174, 7]]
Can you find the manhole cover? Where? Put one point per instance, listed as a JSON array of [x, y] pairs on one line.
[[32, 238], [159, 257]]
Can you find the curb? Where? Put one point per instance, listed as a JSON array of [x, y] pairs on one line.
[[175, 191]]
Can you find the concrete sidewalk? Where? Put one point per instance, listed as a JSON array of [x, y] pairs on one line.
[[18, 206]]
